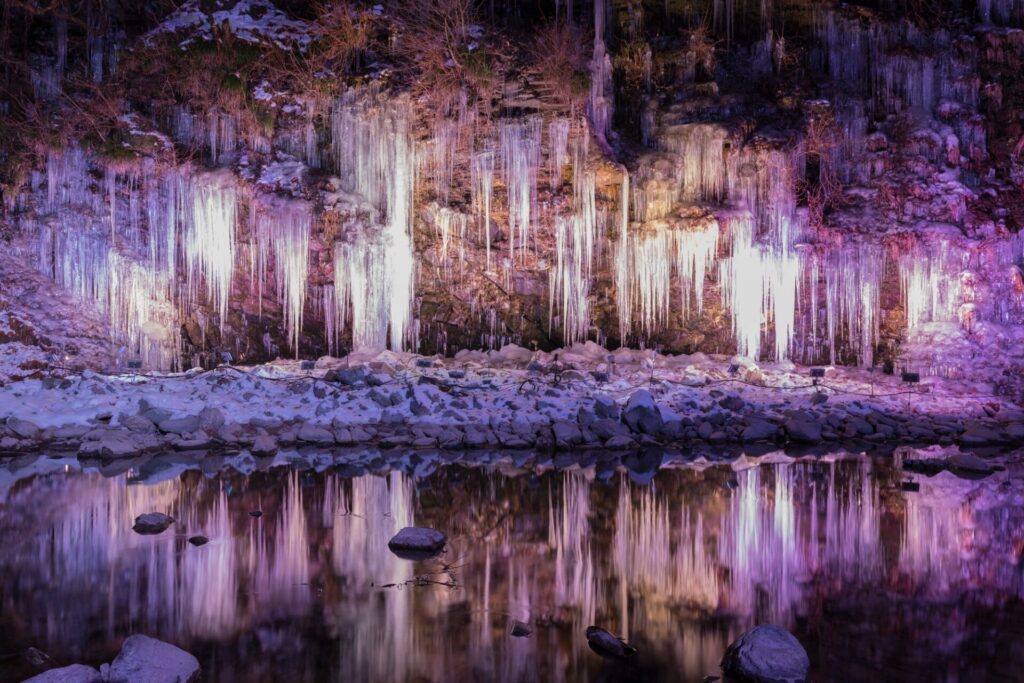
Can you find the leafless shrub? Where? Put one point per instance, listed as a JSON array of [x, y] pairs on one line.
[[559, 56]]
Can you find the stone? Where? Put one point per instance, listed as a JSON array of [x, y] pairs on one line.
[[147, 660], [311, 433], [116, 445], [606, 407], [179, 425], [980, 435], [620, 443], [264, 445], [642, 413], [23, 429], [417, 542], [152, 523], [137, 424], [968, 463], [804, 431], [767, 654], [567, 433], [351, 375], [211, 419], [520, 629], [607, 645], [76, 673], [759, 430], [198, 540], [732, 402]]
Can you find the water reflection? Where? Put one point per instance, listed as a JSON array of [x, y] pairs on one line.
[[873, 580]]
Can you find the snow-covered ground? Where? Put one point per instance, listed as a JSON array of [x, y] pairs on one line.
[[579, 397]]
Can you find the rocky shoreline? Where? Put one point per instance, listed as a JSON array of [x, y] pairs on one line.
[[576, 399]]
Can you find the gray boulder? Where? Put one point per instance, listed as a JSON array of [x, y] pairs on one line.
[[76, 673], [211, 419], [315, 434], [766, 654], [152, 523], [148, 660], [264, 445], [606, 407], [23, 428], [642, 413], [179, 425]]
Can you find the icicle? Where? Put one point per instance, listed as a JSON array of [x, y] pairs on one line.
[[282, 230], [374, 152], [930, 282], [700, 148], [558, 143], [210, 238], [482, 181], [444, 144], [575, 238], [520, 153]]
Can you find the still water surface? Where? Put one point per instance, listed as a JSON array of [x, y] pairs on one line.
[[876, 582]]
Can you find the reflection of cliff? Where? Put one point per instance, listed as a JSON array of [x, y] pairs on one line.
[[679, 567]]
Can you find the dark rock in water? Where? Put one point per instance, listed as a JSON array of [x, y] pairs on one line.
[[152, 523], [966, 463], [198, 540], [910, 486], [179, 425], [759, 430], [417, 542], [521, 630], [256, 513], [605, 644], [767, 654], [148, 660], [76, 673]]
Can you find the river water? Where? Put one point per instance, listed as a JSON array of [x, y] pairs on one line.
[[877, 582]]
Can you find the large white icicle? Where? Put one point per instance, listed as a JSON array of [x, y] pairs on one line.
[[930, 282], [700, 149], [282, 234], [482, 181], [210, 238], [575, 239], [759, 287], [853, 278], [375, 157], [521, 156]]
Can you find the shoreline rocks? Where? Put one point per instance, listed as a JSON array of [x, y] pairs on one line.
[[766, 654]]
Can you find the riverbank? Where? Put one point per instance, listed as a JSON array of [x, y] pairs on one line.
[[578, 398]]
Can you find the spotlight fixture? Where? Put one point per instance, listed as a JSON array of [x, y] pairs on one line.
[[818, 372], [226, 357], [135, 364], [734, 369], [308, 365], [911, 377]]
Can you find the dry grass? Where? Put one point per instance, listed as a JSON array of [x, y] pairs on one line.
[[560, 57]]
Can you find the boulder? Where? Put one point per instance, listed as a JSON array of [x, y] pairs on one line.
[[311, 433], [804, 431], [76, 673], [759, 430], [179, 425], [264, 445], [416, 542], [148, 660], [642, 413], [23, 429], [732, 402], [606, 407], [151, 523], [211, 419], [767, 654]]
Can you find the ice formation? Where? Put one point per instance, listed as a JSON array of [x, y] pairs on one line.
[[374, 270], [282, 235]]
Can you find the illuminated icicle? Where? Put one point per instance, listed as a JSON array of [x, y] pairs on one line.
[[759, 287], [558, 144], [210, 238], [930, 282], [655, 254], [482, 181], [853, 278], [442, 158], [700, 148], [282, 234], [520, 158], [375, 156]]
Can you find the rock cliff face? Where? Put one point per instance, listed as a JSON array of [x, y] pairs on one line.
[[257, 180]]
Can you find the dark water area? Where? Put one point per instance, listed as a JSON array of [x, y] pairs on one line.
[[878, 583]]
